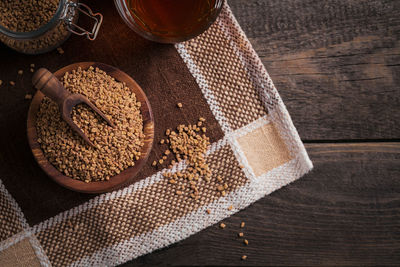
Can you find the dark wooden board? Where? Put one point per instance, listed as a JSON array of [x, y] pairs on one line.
[[345, 212], [336, 64]]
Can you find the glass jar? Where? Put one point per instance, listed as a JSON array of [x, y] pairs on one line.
[[56, 31], [169, 21]]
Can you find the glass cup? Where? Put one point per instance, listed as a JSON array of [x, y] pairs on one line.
[[169, 21]]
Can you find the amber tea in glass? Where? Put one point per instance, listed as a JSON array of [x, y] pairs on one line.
[[171, 21]]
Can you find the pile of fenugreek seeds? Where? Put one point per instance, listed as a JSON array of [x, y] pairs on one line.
[[188, 143], [116, 148], [29, 15]]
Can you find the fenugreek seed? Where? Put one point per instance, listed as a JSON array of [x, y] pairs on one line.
[[192, 195], [223, 193], [60, 50], [244, 257], [220, 188], [164, 157], [167, 152], [230, 207], [12, 83], [20, 72], [179, 105], [160, 161], [242, 224], [241, 166], [178, 192], [225, 186], [154, 163], [208, 211], [199, 123], [222, 225], [28, 96], [168, 132], [32, 65], [246, 242], [219, 178], [31, 70], [204, 129], [162, 141], [240, 234], [202, 119]]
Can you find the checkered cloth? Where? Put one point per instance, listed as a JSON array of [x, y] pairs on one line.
[[258, 152]]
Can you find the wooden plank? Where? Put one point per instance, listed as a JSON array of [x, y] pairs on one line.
[[335, 63], [345, 212]]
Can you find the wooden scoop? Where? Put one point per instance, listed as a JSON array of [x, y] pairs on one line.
[[50, 86]]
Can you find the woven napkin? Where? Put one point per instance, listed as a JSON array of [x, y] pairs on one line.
[[257, 152]]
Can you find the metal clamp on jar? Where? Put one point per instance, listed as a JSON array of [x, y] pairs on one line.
[[50, 34]]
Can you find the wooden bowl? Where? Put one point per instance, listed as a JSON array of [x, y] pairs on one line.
[[122, 179]]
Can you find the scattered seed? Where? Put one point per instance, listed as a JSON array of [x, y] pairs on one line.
[[179, 105], [204, 129], [32, 65], [241, 166], [32, 70], [242, 224], [20, 72], [223, 193], [28, 96], [220, 188], [12, 83], [230, 207], [208, 211], [246, 242], [160, 161], [167, 152], [222, 225], [244, 257], [178, 192], [240, 234], [162, 141], [202, 119], [154, 163], [164, 157], [172, 181], [60, 50], [219, 178]]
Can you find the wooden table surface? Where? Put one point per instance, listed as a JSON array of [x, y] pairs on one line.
[[336, 65]]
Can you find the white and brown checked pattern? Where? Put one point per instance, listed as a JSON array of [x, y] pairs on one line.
[[9, 219], [18, 247], [124, 224], [141, 211]]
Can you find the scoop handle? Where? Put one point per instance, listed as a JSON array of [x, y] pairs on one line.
[[49, 85]]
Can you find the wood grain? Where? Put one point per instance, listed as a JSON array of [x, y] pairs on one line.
[[122, 179], [346, 212], [336, 64]]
